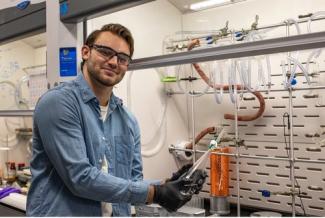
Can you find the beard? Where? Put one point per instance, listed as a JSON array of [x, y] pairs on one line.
[[103, 79]]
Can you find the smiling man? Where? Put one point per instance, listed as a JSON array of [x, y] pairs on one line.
[[86, 144]]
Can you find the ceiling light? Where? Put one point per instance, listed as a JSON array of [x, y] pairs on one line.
[[208, 4]]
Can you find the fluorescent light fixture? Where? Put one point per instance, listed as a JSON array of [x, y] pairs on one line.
[[208, 4], [4, 148]]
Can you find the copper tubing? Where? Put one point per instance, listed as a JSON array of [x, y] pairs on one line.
[[259, 96], [200, 136], [219, 173]]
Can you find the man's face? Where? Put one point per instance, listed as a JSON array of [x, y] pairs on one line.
[[101, 69]]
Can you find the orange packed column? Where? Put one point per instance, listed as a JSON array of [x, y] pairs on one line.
[[219, 173]]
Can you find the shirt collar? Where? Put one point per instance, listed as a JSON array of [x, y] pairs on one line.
[[87, 93]]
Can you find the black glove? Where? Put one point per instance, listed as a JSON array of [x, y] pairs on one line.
[[180, 172], [197, 181], [171, 195]]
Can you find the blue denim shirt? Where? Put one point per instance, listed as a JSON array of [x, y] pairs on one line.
[[69, 143]]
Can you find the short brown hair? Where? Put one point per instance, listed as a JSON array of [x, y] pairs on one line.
[[114, 28]]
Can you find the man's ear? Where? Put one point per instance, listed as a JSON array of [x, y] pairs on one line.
[[85, 52]]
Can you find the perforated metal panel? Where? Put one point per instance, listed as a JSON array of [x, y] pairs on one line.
[[264, 137]]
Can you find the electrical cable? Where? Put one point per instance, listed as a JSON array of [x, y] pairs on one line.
[[287, 147]]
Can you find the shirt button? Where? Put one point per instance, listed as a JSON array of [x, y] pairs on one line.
[[104, 138], [100, 160]]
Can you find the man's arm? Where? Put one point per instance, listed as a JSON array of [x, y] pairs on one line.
[[60, 128]]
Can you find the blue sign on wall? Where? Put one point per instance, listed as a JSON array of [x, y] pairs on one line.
[[68, 61]]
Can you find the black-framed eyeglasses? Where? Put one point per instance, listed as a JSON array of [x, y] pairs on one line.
[[108, 53]]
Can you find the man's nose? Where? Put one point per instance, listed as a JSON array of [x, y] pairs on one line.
[[113, 60]]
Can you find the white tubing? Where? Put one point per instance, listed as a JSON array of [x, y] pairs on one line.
[[20, 101], [296, 54], [314, 16], [296, 62], [232, 82], [217, 69], [254, 36], [284, 73], [12, 139], [243, 73], [269, 78], [183, 90], [257, 36], [316, 53], [160, 130], [159, 143], [261, 77]]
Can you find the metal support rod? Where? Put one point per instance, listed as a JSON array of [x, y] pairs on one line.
[[290, 126], [244, 156], [281, 142], [301, 20], [247, 49], [310, 161], [193, 120], [237, 152], [210, 32], [292, 161], [16, 113], [171, 92]]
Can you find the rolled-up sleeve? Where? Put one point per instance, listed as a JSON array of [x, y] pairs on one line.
[[60, 129]]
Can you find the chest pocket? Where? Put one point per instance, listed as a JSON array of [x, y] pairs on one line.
[[123, 151]]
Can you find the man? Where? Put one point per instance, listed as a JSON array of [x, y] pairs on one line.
[[86, 145]]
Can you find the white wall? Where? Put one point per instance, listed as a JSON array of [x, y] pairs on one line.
[[149, 24], [40, 56], [241, 15]]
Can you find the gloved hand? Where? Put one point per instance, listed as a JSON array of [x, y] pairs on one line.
[[198, 179], [170, 194], [174, 194], [180, 172]]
